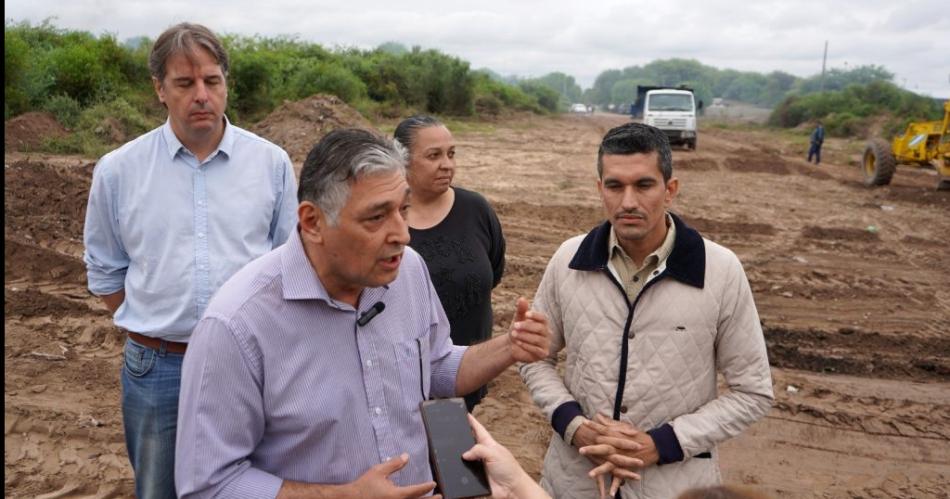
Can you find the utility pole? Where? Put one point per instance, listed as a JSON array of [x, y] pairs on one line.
[[824, 60]]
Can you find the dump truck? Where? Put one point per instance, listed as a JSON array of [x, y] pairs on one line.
[[674, 112], [923, 144]]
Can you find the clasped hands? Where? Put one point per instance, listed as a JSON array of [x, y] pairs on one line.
[[618, 450]]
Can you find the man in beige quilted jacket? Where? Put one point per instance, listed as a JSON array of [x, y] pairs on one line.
[[648, 312]]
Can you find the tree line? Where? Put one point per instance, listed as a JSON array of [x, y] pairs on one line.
[[82, 78]]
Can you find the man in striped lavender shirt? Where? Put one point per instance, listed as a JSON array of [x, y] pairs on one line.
[[304, 377]]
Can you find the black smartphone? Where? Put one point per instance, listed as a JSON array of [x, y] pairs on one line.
[[450, 435]]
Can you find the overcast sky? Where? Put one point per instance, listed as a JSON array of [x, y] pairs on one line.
[[911, 38]]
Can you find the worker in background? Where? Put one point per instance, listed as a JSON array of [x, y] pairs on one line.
[[817, 139]]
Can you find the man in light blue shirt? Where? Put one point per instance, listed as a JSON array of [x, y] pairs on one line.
[[305, 375], [171, 216]]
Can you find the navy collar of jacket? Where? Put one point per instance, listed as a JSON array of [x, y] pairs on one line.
[[686, 263]]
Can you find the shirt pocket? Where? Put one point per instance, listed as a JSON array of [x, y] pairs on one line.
[[415, 371]]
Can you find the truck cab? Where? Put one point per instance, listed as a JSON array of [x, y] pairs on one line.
[[674, 112]]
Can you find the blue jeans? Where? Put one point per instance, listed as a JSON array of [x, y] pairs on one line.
[[151, 381], [815, 151]]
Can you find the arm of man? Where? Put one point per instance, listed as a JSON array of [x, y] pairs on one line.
[[528, 340], [284, 219], [114, 300], [742, 359], [105, 256], [542, 379]]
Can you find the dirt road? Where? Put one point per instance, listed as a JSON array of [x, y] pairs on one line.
[[851, 284]]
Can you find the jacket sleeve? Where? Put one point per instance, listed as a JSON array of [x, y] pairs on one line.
[[741, 358], [545, 384]]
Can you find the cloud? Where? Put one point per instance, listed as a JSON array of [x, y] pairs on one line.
[[581, 39]]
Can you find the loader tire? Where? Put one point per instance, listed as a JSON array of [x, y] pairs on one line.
[[878, 163]]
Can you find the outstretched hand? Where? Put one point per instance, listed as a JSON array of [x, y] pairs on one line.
[[529, 334]]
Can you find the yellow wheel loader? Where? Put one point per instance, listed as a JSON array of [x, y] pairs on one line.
[[925, 143]]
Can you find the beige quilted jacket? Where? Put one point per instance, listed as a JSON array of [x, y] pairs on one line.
[[695, 318]]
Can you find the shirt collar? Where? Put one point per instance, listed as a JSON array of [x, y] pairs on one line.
[[301, 282], [657, 256], [686, 263], [174, 145], [299, 278]]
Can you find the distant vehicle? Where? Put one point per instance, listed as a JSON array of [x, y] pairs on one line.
[[923, 144], [718, 102], [579, 108], [674, 112], [636, 108]]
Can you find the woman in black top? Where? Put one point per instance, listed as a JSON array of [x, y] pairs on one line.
[[455, 230]]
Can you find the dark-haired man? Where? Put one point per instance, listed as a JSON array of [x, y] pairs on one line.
[[648, 312], [305, 375], [171, 216]]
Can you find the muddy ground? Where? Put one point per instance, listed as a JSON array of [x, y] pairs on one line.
[[852, 286]]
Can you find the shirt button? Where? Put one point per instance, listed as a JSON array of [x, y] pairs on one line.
[[636, 278], [201, 234], [623, 409], [369, 363], [378, 411], [631, 334]]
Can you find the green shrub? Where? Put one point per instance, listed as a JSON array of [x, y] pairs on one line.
[[844, 124], [66, 109], [16, 56], [315, 77], [847, 112], [488, 105]]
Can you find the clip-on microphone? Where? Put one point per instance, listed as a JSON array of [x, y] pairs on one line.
[[368, 315]]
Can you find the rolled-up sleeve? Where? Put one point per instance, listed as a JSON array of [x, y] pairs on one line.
[[220, 418], [105, 256]]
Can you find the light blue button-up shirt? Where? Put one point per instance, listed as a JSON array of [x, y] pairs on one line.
[[169, 230]]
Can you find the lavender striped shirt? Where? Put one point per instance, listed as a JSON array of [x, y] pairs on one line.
[[279, 381]]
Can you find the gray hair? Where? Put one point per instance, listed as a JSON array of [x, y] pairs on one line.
[[634, 138], [407, 129], [338, 160], [185, 38]]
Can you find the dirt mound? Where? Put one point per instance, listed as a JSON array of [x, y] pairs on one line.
[[840, 233], [23, 260], [856, 351], [718, 227], [31, 302], [28, 131], [44, 202], [696, 164], [298, 126], [749, 161]]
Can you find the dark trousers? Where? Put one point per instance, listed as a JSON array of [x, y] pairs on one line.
[[815, 151]]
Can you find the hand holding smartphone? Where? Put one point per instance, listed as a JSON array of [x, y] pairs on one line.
[[449, 435]]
